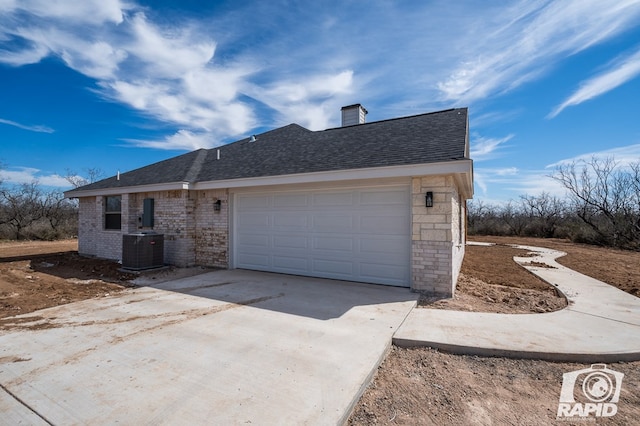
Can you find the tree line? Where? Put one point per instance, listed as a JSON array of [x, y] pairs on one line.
[[602, 207], [30, 212]]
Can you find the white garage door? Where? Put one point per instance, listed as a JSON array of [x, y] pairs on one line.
[[355, 234]]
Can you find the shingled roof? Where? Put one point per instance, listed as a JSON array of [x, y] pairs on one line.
[[419, 139]]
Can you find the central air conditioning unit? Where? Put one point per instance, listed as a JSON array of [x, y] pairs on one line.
[[144, 250]]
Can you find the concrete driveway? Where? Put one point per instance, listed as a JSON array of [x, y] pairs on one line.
[[225, 347]]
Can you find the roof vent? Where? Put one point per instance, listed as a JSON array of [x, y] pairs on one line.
[[252, 138], [353, 115]]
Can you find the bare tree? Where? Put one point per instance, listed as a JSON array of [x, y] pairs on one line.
[[545, 213], [483, 218], [59, 213], [605, 197], [91, 175], [20, 207], [513, 216]]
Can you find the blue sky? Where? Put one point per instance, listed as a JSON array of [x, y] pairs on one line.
[[116, 85]]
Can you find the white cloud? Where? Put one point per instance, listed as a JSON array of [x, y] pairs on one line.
[[623, 156], [86, 11], [311, 101], [182, 139], [168, 53], [619, 72], [97, 59], [22, 175], [31, 128], [483, 148], [166, 102], [210, 74], [31, 55], [510, 183], [522, 41], [164, 71]]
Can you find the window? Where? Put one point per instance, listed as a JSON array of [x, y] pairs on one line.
[[113, 212]]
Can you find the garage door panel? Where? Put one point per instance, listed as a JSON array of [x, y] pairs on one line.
[[248, 240], [291, 221], [333, 244], [383, 197], [323, 200], [290, 242], [254, 261], [332, 223], [392, 224], [291, 263], [333, 268], [357, 234], [254, 220], [290, 200], [255, 202]]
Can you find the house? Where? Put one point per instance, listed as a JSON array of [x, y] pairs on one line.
[[381, 202]]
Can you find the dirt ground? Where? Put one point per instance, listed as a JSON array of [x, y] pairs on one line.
[[423, 386], [37, 275], [412, 386]]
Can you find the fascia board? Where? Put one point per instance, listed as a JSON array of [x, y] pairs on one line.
[[451, 167], [173, 186], [456, 167]]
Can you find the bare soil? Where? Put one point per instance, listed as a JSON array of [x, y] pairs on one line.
[[423, 386], [427, 387], [37, 275], [490, 281], [412, 386]]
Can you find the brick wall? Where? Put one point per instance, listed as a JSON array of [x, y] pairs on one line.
[[108, 242], [88, 226], [193, 233], [174, 218], [436, 239], [212, 228]]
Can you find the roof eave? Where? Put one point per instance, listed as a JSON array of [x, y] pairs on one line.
[[169, 186], [463, 167]]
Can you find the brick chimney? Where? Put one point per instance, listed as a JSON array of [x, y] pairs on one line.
[[353, 115]]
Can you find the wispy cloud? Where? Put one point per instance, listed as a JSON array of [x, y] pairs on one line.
[[181, 140], [617, 73], [512, 182], [523, 40], [21, 175], [623, 155], [31, 128], [484, 148], [165, 71], [503, 184], [206, 78], [310, 101]]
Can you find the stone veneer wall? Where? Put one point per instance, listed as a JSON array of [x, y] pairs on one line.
[[437, 236], [458, 232]]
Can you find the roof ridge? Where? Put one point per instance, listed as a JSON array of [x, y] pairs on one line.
[[393, 119], [280, 129]]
